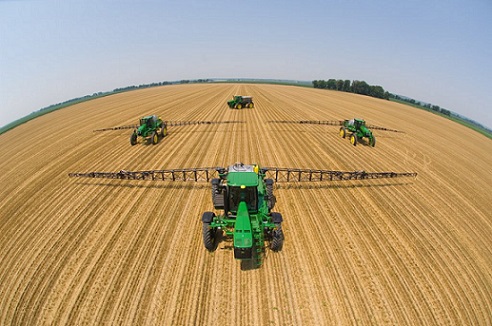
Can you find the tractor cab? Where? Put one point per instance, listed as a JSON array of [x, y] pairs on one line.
[[242, 181], [249, 195], [358, 123]]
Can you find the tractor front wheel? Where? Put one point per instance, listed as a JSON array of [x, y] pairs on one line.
[[208, 237], [133, 139], [278, 238], [239, 106], [353, 139]]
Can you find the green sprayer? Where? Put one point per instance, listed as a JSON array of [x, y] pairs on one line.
[[152, 128], [243, 200], [356, 129]]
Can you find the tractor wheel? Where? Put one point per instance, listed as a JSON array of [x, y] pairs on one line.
[[208, 232], [133, 139], [163, 132], [250, 105], [278, 238], [239, 106], [343, 132], [155, 138], [208, 236], [372, 141], [217, 195], [353, 139]]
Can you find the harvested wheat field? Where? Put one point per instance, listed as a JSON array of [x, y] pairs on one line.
[[406, 251]]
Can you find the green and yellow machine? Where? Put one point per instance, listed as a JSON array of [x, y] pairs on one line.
[[358, 130], [244, 196], [151, 128], [240, 102]]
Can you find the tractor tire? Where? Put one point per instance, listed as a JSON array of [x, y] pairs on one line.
[[343, 132], [353, 139], [163, 132], [217, 196], [208, 237], [372, 141], [133, 139], [239, 106], [208, 232], [250, 105], [154, 138], [277, 238]]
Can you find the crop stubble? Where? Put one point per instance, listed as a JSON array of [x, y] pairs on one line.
[[402, 251]]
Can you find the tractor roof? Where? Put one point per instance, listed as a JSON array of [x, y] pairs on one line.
[[242, 175]]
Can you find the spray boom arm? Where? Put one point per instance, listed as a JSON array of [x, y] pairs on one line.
[[278, 174]]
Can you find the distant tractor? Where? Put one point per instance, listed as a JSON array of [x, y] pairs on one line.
[[151, 128], [358, 130], [244, 194], [239, 102]]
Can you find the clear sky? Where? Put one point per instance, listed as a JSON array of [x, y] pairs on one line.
[[436, 51]]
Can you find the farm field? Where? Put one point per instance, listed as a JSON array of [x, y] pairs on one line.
[[406, 251]]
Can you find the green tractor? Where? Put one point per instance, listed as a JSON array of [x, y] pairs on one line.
[[239, 102], [357, 127], [151, 128], [246, 198], [244, 194], [358, 130]]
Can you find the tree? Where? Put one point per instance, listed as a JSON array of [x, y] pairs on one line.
[[331, 84], [360, 87], [346, 86]]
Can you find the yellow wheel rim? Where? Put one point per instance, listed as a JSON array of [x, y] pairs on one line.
[[341, 133], [239, 106], [352, 140], [165, 132], [155, 139]]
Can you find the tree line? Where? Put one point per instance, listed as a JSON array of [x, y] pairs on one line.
[[355, 86], [363, 88]]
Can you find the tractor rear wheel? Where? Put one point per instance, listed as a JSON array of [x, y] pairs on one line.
[[155, 138], [343, 132], [163, 132], [372, 141], [353, 139], [133, 139], [250, 105], [277, 238]]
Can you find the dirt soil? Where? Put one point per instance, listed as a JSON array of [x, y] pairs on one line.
[[406, 251]]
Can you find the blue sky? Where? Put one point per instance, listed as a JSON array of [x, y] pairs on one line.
[[430, 50]]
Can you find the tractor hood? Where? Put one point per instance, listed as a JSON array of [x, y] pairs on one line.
[[243, 236], [365, 131]]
